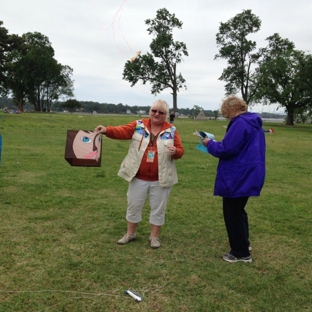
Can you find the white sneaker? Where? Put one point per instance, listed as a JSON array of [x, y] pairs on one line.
[[126, 239], [155, 243]]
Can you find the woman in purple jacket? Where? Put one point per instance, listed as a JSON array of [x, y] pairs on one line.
[[240, 172]]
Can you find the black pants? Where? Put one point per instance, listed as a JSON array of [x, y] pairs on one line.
[[236, 223]]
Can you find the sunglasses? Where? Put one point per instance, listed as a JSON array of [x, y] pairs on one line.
[[155, 111]]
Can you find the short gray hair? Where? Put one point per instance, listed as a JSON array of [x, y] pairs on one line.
[[161, 105], [233, 104]]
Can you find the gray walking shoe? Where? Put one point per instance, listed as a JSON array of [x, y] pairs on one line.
[[154, 242], [126, 239]]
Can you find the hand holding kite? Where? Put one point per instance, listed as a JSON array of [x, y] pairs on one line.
[[203, 135]]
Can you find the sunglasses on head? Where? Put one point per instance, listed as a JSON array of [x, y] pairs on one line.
[[155, 111]]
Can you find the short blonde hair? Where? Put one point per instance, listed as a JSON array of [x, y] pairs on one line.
[[160, 105], [233, 104]]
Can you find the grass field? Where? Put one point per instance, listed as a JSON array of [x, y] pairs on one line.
[[60, 224]]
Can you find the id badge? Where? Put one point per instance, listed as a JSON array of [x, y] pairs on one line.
[[150, 156]]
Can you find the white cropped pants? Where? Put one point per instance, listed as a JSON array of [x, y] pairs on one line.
[[158, 198]]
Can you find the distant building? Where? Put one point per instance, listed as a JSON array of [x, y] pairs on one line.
[[201, 115], [141, 112]]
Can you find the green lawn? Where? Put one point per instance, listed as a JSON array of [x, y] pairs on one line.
[[60, 224]]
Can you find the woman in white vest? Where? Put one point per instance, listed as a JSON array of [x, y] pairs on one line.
[[149, 167]]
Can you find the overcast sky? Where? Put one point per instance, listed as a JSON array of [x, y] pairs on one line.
[[96, 38]]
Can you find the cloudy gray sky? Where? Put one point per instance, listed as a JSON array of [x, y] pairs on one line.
[[96, 38]]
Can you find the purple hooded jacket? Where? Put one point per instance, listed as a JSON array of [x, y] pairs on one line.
[[241, 168]]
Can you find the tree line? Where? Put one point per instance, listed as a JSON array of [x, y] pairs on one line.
[[90, 107]]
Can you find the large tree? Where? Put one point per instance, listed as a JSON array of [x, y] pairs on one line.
[[35, 75], [42, 66], [285, 77], [159, 67], [242, 59]]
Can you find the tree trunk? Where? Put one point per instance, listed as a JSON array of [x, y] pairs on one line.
[[48, 102], [290, 118], [175, 102], [174, 91], [20, 104], [37, 105]]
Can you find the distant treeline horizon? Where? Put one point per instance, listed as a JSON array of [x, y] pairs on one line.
[[110, 108]]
